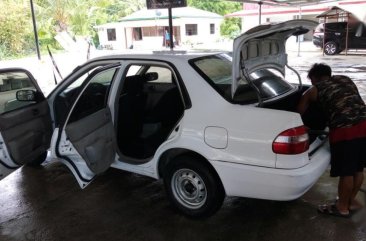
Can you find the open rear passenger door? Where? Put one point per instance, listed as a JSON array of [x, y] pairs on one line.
[[25, 121], [87, 142]]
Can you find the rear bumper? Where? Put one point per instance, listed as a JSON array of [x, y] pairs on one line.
[[318, 42], [270, 183]]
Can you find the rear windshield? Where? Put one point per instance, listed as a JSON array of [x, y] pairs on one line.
[[216, 70]]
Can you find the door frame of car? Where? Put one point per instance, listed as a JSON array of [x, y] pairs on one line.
[[83, 174]]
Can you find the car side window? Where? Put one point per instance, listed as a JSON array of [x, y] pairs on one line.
[[10, 84], [164, 74], [94, 96]]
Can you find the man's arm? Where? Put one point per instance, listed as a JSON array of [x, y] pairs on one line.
[[307, 97]]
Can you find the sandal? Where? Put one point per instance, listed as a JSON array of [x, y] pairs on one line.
[[331, 209], [352, 208]]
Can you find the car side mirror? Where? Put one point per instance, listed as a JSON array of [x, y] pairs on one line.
[[26, 95]]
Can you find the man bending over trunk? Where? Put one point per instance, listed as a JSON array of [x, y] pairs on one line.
[[346, 115]]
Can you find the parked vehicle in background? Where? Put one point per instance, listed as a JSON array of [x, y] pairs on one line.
[[336, 35], [209, 124]]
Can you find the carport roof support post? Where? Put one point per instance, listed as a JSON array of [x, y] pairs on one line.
[[35, 30]]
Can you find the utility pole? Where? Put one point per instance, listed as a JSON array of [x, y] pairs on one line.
[[260, 12], [35, 30], [171, 27]]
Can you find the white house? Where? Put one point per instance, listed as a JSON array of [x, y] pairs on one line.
[[145, 29]]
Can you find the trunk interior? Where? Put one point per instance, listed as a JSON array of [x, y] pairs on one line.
[[313, 118]]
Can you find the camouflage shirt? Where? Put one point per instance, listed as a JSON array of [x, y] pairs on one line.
[[341, 102]]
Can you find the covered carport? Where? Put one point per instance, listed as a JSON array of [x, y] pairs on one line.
[[291, 9], [337, 14]]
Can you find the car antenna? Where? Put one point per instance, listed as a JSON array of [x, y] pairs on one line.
[[55, 65]]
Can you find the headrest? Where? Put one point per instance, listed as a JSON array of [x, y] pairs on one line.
[[151, 76]]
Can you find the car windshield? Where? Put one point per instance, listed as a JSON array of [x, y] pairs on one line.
[[217, 71]]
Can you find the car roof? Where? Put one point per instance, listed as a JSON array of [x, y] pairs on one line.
[[167, 55]]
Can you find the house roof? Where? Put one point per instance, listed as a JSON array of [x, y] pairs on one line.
[[286, 3], [185, 12], [332, 12], [356, 7]]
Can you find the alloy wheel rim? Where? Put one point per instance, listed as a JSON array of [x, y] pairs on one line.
[[189, 189], [330, 48]]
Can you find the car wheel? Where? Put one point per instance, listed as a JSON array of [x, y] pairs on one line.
[[330, 48], [193, 186], [38, 161]]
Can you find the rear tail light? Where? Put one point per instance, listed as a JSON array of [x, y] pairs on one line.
[[291, 141]]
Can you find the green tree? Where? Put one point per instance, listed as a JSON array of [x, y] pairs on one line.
[[15, 29], [231, 26], [80, 16]]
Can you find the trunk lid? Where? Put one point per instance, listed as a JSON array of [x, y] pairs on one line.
[[264, 46]]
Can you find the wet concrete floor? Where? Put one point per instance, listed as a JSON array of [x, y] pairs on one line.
[[46, 204]]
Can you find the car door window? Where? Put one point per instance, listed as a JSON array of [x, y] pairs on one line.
[[94, 96], [10, 84], [164, 74]]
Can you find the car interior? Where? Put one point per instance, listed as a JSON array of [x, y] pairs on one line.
[[150, 105]]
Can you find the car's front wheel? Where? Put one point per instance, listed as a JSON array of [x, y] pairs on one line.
[[193, 186], [331, 48]]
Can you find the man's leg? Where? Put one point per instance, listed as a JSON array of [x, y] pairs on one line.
[[357, 183], [345, 190]]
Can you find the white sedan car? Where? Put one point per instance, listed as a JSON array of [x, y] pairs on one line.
[[209, 124]]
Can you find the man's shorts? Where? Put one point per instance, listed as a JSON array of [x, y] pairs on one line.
[[347, 157], [348, 150]]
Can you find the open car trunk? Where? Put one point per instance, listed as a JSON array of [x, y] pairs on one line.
[[259, 66], [313, 118]]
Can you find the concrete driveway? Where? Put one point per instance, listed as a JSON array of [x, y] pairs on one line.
[[47, 204]]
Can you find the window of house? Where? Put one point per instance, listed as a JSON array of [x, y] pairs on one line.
[[111, 32], [191, 29], [137, 33], [212, 28], [153, 31]]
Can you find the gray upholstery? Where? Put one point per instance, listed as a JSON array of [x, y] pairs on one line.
[[27, 131], [94, 139]]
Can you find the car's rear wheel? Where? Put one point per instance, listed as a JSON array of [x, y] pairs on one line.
[[331, 48], [193, 186]]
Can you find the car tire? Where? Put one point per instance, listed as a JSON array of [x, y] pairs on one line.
[[193, 186], [331, 48], [38, 161]]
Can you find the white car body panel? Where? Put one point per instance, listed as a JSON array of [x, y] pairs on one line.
[[65, 148], [8, 164], [271, 183]]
